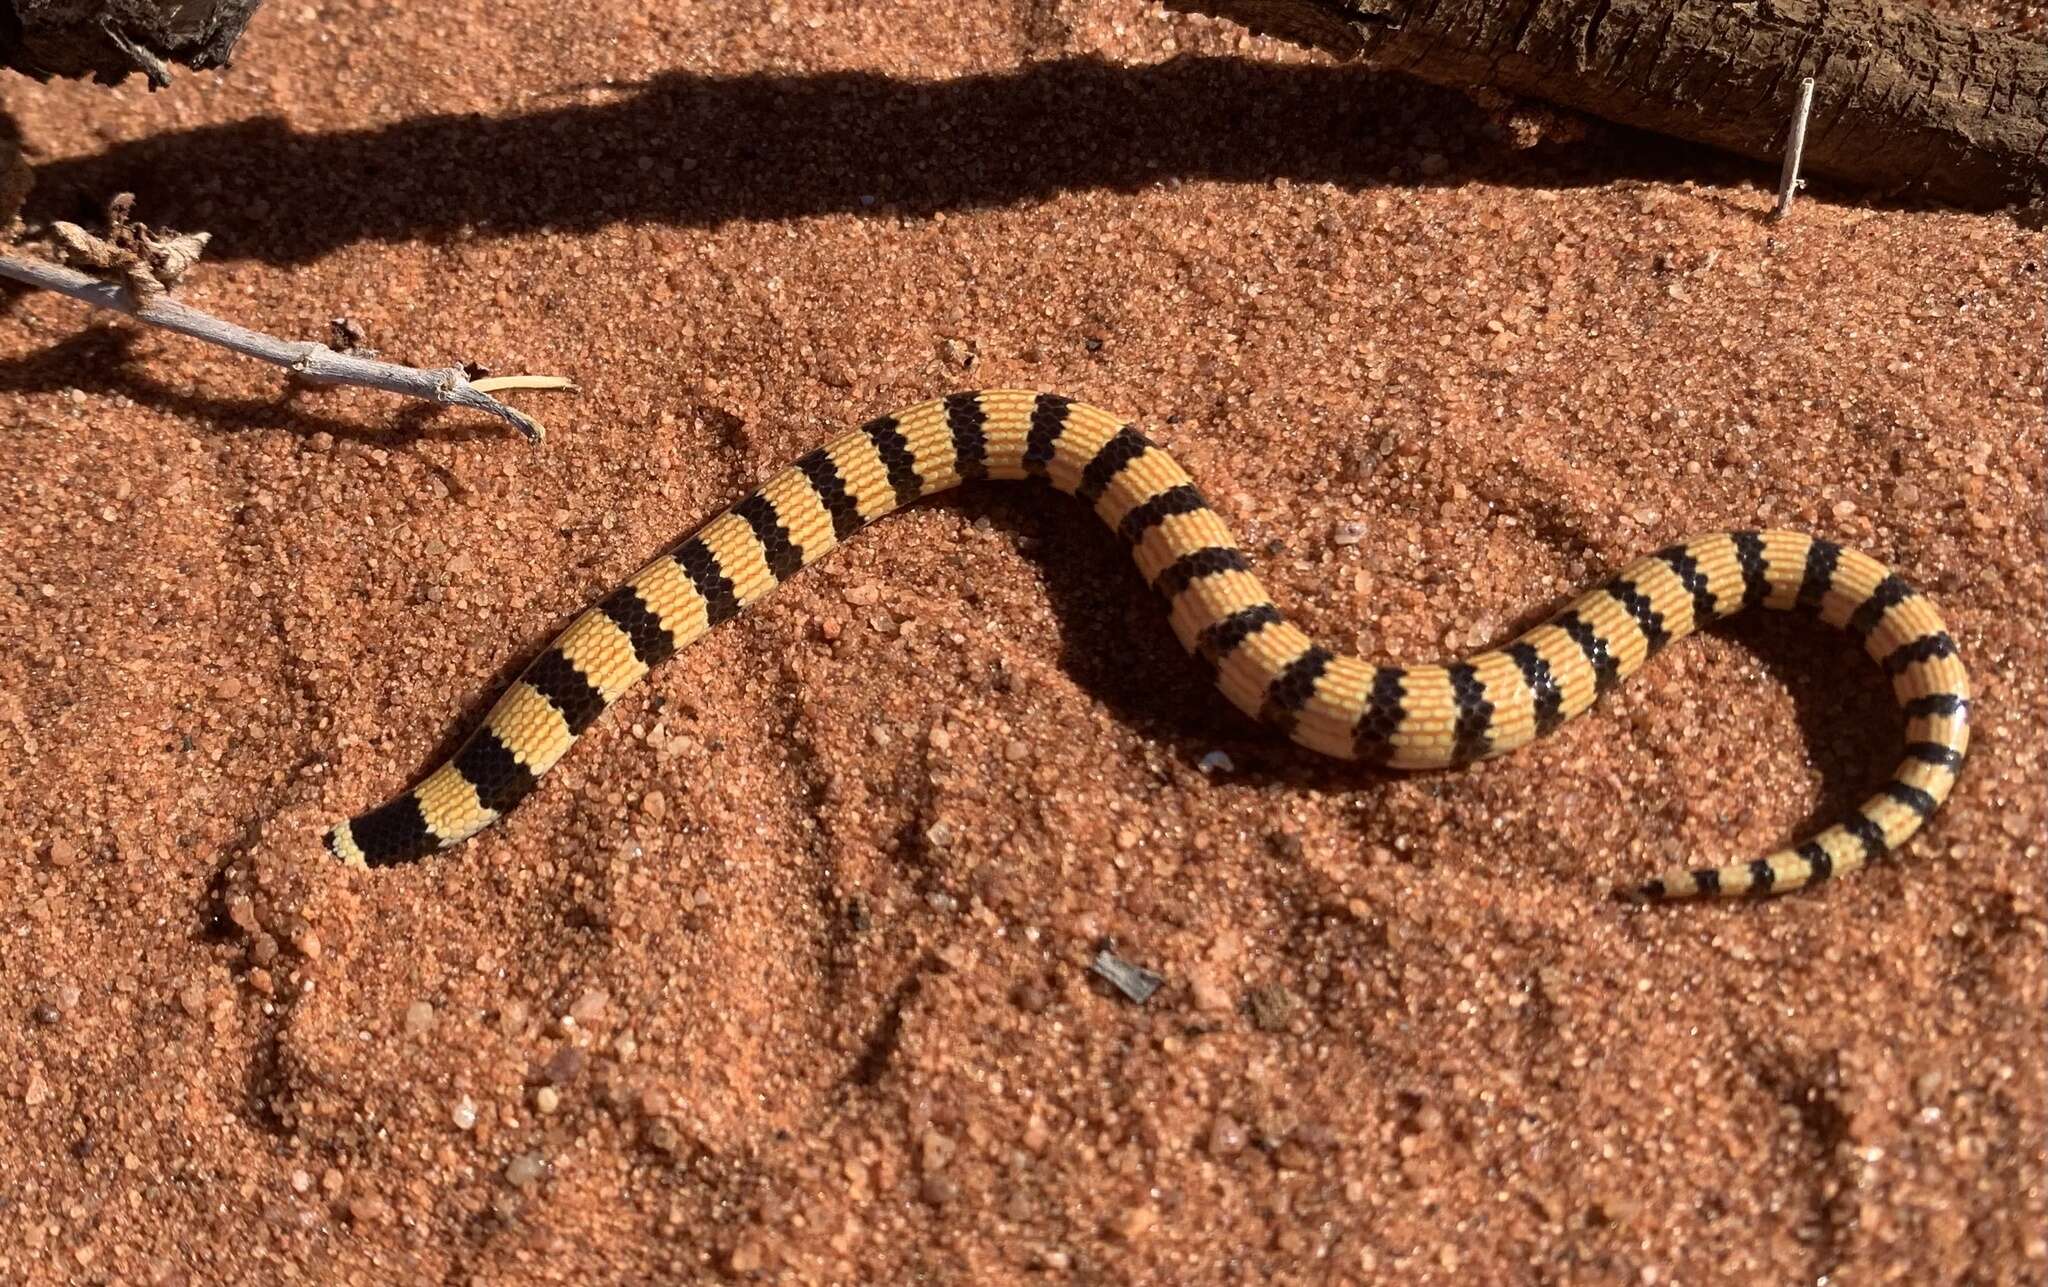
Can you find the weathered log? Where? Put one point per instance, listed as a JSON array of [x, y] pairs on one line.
[[1906, 101], [110, 39]]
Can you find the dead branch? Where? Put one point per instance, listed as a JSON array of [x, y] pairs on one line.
[[1906, 100], [449, 386]]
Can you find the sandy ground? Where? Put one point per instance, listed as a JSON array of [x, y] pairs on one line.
[[784, 972]]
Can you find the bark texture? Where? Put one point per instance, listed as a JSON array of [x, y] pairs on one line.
[[110, 40], [1905, 101]]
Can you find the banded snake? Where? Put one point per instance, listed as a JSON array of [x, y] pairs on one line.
[[1406, 717]]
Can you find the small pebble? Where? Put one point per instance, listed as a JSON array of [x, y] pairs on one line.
[[1217, 762], [526, 1169], [1136, 1222], [1226, 1137], [1207, 993], [591, 1006], [419, 1018], [464, 1113], [748, 1256]]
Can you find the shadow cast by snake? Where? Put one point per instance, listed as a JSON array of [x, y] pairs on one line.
[[691, 150], [1115, 643]]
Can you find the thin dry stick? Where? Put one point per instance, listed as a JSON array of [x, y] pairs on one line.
[[1789, 181], [447, 385]]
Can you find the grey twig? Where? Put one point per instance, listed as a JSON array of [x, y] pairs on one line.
[[1789, 181], [450, 386]]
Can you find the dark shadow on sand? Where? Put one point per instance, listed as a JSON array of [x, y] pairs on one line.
[[691, 150]]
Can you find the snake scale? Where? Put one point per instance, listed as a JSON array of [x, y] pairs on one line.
[[1407, 717]]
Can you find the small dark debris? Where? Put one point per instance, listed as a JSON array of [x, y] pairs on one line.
[[1031, 997], [662, 1137], [857, 915], [1134, 981], [346, 335], [1291, 1155], [47, 1014], [1093, 344], [1272, 1008], [1286, 844], [565, 1065]]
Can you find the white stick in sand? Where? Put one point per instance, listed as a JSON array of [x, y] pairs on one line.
[[1789, 181]]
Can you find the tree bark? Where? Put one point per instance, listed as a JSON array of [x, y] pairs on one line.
[[1906, 101], [110, 39]]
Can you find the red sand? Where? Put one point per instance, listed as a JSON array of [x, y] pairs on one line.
[[784, 972]]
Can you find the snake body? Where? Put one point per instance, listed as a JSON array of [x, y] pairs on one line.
[[1407, 717]]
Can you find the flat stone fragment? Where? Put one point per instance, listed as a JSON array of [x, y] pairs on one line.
[[1134, 981]]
